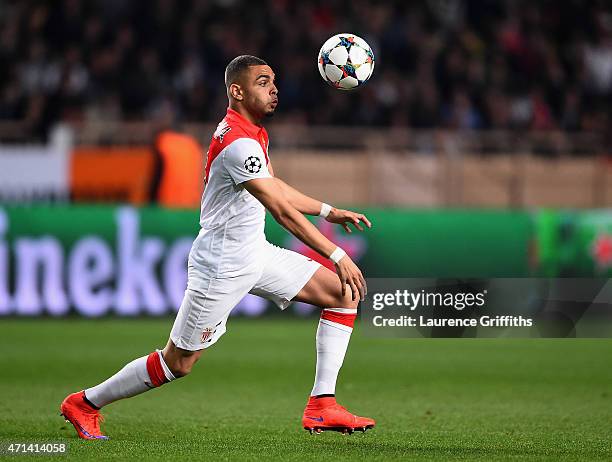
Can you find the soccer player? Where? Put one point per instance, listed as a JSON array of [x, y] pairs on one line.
[[230, 257]]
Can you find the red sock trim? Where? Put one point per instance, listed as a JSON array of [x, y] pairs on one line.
[[155, 370], [341, 318]]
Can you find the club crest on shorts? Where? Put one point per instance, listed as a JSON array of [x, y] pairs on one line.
[[206, 334]]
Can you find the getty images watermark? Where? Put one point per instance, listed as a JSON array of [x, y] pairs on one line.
[[426, 299], [511, 307]]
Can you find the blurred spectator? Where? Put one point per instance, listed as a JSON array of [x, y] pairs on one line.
[[464, 65], [461, 113], [178, 163]]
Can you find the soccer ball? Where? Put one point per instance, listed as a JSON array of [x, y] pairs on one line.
[[346, 61]]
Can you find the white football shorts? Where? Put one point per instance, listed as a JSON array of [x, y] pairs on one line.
[[210, 298]]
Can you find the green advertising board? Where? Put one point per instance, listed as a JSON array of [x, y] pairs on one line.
[[99, 260]]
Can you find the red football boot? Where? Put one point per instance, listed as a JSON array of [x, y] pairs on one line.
[[325, 413], [86, 419]]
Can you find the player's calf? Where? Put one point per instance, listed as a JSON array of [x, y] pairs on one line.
[[179, 361]]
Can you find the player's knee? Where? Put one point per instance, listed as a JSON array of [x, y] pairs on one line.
[[342, 301], [346, 300]]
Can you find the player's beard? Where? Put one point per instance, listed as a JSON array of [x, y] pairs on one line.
[[270, 113]]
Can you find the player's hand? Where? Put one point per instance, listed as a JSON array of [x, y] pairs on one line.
[[346, 217], [349, 274]]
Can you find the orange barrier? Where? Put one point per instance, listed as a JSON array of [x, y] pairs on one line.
[[109, 174]]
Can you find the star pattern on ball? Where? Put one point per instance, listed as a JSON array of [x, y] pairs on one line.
[[370, 56], [252, 164], [347, 42], [324, 59], [348, 69]]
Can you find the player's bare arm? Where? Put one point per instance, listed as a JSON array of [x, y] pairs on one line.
[[269, 193], [310, 206]]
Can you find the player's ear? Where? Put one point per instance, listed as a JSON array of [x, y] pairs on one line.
[[236, 92]]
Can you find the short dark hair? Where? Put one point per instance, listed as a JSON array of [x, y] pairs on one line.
[[238, 65]]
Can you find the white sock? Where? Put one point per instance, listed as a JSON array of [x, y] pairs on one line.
[[138, 376], [333, 335]]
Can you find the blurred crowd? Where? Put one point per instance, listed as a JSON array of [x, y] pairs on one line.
[[467, 65]]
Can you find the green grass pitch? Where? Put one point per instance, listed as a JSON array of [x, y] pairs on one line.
[[434, 399]]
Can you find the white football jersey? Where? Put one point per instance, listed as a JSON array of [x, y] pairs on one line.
[[232, 221]]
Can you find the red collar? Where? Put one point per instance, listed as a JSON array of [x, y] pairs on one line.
[[251, 128]]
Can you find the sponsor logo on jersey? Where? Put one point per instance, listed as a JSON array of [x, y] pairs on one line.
[[221, 131]]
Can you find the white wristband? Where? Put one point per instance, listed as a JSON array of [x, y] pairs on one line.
[[337, 255], [325, 209]]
